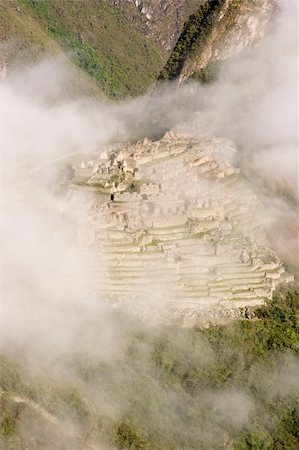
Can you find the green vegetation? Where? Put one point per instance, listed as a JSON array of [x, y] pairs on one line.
[[101, 42], [24, 41], [125, 437], [232, 387], [207, 75]]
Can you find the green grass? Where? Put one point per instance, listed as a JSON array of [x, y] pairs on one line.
[[101, 42]]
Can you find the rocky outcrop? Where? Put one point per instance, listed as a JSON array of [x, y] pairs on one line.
[[218, 30], [160, 20]]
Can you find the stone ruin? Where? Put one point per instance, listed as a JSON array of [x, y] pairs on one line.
[[181, 233], [3, 69]]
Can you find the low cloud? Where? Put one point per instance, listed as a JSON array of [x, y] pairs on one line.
[[47, 311]]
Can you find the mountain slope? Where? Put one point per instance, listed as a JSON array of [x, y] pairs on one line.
[[217, 30], [24, 41], [121, 47], [100, 40], [161, 20], [221, 387]]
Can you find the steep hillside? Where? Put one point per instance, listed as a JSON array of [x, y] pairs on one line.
[[228, 388], [100, 40], [24, 41], [217, 30], [121, 47], [160, 20]]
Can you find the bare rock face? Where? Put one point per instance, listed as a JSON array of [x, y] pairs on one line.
[[176, 228], [160, 20], [217, 30]]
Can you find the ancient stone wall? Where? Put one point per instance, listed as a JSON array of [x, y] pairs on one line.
[[191, 243]]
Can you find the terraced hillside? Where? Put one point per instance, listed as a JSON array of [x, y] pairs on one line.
[[176, 229]]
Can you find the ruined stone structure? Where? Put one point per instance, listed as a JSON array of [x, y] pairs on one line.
[[178, 230], [3, 69]]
